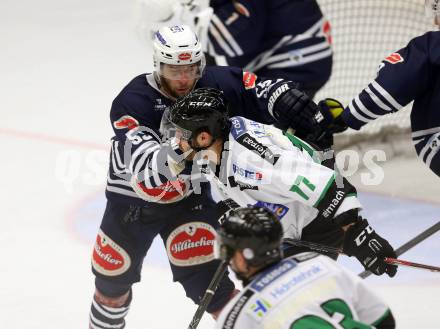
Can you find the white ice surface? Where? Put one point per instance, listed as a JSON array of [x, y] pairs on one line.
[[61, 64]]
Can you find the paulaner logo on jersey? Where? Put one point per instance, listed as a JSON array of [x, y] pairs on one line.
[[333, 204]]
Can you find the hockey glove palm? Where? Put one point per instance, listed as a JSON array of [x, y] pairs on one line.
[[369, 248]]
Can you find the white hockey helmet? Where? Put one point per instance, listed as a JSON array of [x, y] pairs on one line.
[[432, 8], [178, 46]]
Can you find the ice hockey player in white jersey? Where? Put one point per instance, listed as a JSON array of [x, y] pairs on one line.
[[409, 74], [303, 291], [263, 166]]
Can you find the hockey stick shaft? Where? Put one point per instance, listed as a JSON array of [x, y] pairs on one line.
[[221, 270], [209, 293], [411, 243], [402, 262]]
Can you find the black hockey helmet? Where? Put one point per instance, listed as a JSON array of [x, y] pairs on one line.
[[204, 109], [254, 231]]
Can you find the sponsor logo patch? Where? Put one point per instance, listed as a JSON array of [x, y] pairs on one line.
[[126, 122], [249, 80], [191, 244], [272, 99], [249, 174], [394, 58], [252, 144], [108, 257], [326, 29], [184, 56], [334, 204], [237, 127], [277, 209], [301, 277], [259, 309], [266, 278], [159, 106]]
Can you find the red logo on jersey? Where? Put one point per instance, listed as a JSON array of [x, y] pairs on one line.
[[168, 192], [249, 79], [108, 257], [394, 58], [326, 29], [191, 244], [126, 122], [184, 56]]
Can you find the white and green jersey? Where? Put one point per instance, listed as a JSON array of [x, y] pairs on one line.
[[262, 166], [302, 292]]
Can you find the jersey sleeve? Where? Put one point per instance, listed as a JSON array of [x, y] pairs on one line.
[[138, 157], [402, 77], [236, 27]]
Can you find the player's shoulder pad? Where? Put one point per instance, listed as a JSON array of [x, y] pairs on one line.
[[137, 104]]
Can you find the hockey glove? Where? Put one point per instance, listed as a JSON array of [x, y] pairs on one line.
[[294, 109], [369, 248], [312, 122]]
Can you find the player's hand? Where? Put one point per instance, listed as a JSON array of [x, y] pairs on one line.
[[329, 115], [369, 248], [294, 109], [313, 122]]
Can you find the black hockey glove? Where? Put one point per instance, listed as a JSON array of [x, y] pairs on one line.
[[294, 109], [312, 122], [369, 248]]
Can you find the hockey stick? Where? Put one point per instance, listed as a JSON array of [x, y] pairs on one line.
[[222, 268], [411, 243], [209, 293], [401, 262], [394, 261]]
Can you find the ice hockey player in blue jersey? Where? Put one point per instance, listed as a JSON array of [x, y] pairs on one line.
[[409, 74], [274, 39], [145, 198], [306, 290], [277, 38]]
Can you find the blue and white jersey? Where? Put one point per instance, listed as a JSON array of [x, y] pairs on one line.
[[264, 166], [140, 169], [410, 74], [305, 291], [276, 38]]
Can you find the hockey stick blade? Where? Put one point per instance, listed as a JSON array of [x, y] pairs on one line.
[[401, 262], [411, 243], [209, 293]]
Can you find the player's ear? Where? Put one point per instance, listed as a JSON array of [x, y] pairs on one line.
[[204, 139]]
